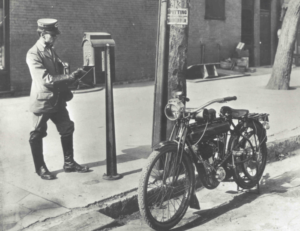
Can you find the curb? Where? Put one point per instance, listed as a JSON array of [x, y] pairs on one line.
[[81, 91], [126, 203], [219, 78], [281, 147]]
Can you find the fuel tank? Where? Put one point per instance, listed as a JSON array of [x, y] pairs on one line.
[[213, 129]]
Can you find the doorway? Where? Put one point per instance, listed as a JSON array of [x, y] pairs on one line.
[[4, 46], [265, 32], [247, 35]]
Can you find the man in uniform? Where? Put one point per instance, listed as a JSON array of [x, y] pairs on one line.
[[48, 97]]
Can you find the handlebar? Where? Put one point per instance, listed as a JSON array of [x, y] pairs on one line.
[[220, 100], [186, 99], [230, 98]]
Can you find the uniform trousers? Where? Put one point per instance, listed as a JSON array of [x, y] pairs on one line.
[[61, 119]]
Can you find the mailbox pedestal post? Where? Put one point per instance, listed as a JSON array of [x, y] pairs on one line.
[[111, 158], [93, 43]]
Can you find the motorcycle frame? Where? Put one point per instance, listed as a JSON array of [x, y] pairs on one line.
[[184, 142]]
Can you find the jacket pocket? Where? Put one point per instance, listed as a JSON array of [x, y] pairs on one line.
[[44, 96]]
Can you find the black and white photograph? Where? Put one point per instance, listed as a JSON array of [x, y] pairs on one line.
[[136, 115]]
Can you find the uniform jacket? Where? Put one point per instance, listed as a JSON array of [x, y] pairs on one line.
[[44, 95]]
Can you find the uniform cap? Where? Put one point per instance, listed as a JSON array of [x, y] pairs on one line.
[[48, 25]]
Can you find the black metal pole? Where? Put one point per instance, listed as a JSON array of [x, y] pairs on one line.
[[111, 158]]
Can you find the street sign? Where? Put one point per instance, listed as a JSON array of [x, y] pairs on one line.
[[177, 16]]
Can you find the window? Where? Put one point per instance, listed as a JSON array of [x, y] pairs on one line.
[[215, 9], [265, 5]]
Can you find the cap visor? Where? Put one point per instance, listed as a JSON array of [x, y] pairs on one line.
[[56, 31]]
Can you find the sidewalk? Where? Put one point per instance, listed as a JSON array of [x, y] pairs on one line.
[[26, 200]]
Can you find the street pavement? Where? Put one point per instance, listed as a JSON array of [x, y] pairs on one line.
[[28, 201], [274, 207]]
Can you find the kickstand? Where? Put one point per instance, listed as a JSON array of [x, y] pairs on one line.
[[257, 189]]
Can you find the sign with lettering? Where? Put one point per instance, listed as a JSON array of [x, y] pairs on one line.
[[177, 16]]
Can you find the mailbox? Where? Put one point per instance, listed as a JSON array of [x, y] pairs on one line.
[[94, 45]]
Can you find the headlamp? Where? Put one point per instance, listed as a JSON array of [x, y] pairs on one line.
[[174, 109]]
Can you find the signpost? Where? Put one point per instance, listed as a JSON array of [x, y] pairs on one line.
[[177, 16]]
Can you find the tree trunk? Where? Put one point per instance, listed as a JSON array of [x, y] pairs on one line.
[[280, 78]]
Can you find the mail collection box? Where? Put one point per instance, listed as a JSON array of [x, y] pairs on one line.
[[94, 45]]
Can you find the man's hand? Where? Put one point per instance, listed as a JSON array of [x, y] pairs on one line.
[[77, 74]]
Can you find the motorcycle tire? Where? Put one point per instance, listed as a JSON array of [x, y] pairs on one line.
[[165, 188], [249, 166]]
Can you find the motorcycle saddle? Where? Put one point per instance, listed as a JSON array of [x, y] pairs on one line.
[[234, 113]]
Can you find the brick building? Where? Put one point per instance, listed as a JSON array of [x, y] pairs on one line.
[[216, 25]]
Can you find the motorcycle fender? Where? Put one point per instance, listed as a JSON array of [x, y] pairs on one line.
[[258, 124], [163, 144], [194, 202]]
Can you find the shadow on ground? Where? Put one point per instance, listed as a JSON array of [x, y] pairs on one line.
[[130, 154], [268, 187]]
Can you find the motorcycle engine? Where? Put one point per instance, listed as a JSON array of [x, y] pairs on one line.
[[210, 149], [210, 152]]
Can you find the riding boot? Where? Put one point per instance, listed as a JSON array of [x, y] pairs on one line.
[[38, 159], [70, 165]]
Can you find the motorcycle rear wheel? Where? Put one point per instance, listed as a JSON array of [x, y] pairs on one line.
[[165, 188], [250, 165]]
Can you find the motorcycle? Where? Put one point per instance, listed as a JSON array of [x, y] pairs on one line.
[[203, 149]]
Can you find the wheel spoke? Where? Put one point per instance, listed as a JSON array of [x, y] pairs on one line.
[[167, 189], [251, 163]]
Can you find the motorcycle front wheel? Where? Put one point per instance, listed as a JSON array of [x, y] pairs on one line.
[[165, 188], [250, 154]]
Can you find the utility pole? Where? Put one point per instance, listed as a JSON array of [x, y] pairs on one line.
[[161, 73], [178, 19], [171, 61]]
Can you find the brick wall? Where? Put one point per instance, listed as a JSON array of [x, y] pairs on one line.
[[132, 24], [219, 37]]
